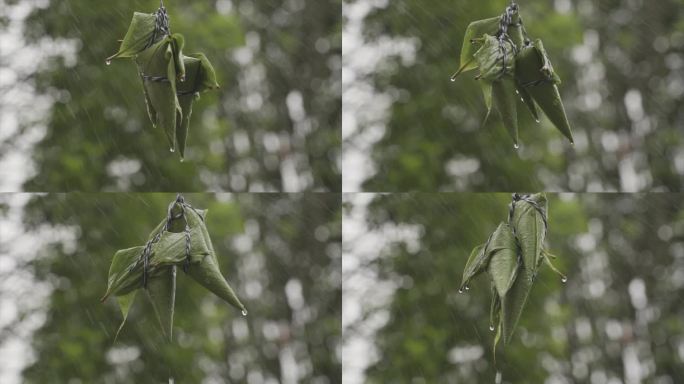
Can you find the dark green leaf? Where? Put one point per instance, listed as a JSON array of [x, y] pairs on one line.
[[503, 265], [161, 291], [529, 75], [474, 30], [477, 263], [139, 35], [504, 97]]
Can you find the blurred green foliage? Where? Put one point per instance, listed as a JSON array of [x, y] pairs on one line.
[[620, 63], [280, 252], [623, 255], [273, 125]]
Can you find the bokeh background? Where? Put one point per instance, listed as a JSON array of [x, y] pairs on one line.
[[280, 252], [406, 127], [618, 319], [69, 122]]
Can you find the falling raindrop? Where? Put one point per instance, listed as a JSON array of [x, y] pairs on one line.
[[498, 378], [564, 279], [491, 328], [517, 93], [108, 62], [244, 312]]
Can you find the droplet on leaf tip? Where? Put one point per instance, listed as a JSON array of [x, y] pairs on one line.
[[108, 62], [491, 328], [516, 146], [564, 279], [172, 150], [460, 290], [244, 312], [537, 120], [182, 160]]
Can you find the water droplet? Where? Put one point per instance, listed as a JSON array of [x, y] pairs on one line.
[[453, 79], [572, 143], [491, 328], [516, 146], [467, 288], [244, 312], [537, 120], [460, 290], [564, 279], [517, 93], [108, 62], [172, 149], [521, 99], [182, 160]]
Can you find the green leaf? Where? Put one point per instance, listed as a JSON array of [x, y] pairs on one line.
[[158, 61], [546, 69], [530, 75], [477, 263], [527, 100], [530, 230], [140, 33], [487, 93], [207, 272], [161, 291], [125, 302], [547, 258], [494, 308], [176, 42], [476, 29], [503, 265], [514, 302], [496, 341], [200, 76], [119, 281], [504, 97], [495, 58]]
